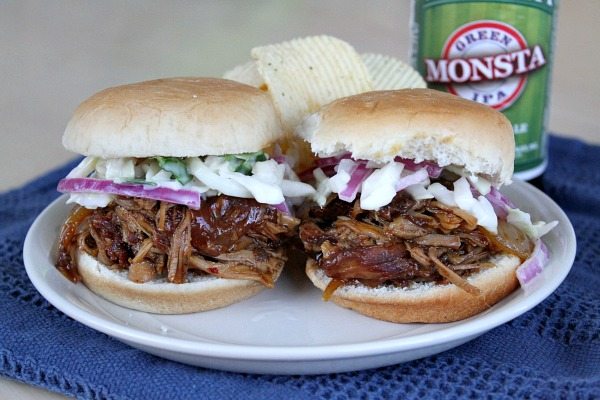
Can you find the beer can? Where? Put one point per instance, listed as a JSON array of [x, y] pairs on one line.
[[495, 52]]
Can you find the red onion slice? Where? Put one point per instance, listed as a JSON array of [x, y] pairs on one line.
[[360, 173], [534, 265], [503, 198], [283, 207], [280, 159], [186, 197], [334, 160], [500, 202], [432, 168]]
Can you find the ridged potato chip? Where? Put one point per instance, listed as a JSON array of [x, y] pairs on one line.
[[304, 74], [389, 73], [245, 73]]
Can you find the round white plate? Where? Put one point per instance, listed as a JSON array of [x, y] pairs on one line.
[[288, 329]]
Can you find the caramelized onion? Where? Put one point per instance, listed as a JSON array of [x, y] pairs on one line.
[[474, 238], [331, 288], [82, 243], [69, 228], [510, 240], [66, 262]]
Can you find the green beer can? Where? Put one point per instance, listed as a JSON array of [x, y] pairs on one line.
[[495, 52]]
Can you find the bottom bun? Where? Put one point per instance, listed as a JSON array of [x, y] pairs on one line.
[[202, 293], [426, 302]]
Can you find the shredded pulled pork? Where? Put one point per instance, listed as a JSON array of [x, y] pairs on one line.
[[65, 261], [402, 243], [227, 237]]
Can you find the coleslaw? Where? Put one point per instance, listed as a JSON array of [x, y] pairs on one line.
[[94, 182]]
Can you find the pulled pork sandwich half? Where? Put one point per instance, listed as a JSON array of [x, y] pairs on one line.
[[407, 223], [178, 206]]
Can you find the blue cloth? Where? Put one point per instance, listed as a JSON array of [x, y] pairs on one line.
[[553, 351]]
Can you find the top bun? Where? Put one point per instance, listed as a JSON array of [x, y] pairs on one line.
[[419, 124], [179, 117]]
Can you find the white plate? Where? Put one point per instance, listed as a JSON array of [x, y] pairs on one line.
[[289, 329]]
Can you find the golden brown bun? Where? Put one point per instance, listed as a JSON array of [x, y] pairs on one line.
[[179, 117], [420, 124], [202, 294], [424, 303]]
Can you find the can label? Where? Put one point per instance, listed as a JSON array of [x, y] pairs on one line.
[[494, 52]]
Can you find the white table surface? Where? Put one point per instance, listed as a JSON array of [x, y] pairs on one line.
[[55, 54]]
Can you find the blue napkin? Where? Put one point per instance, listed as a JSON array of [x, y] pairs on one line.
[[553, 351]]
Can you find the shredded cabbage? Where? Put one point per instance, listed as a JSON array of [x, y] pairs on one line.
[[522, 220], [344, 170], [262, 191], [462, 197], [323, 187], [485, 214], [250, 175], [462, 194], [419, 191], [158, 176], [243, 163], [339, 181], [408, 178], [84, 168], [90, 200], [379, 188], [296, 189], [176, 166], [482, 185], [119, 169], [269, 172], [442, 194], [201, 171]]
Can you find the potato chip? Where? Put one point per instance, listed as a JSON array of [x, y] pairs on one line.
[[245, 73], [304, 74], [389, 73]]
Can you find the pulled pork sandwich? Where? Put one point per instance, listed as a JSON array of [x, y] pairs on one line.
[[407, 223], [178, 206]]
